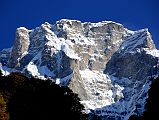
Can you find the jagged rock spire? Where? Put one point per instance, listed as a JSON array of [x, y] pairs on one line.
[[20, 46]]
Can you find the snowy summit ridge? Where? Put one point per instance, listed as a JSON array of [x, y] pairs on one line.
[[107, 65]]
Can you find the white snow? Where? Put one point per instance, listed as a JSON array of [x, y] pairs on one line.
[[92, 58], [57, 81], [99, 24], [153, 52], [130, 31], [69, 43], [22, 28], [69, 52], [109, 47], [92, 75], [117, 42], [33, 69], [118, 91], [24, 54], [47, 27], [81, 40], [38, 71], [60, 44], [96, 85], [127, 106], [6, 71], [64, 81], [67, 20], [137, 38]]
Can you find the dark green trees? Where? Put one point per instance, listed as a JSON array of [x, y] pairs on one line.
[[3, 109], [0, 73], [35, 99]]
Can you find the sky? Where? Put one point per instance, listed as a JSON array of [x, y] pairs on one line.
[[133, 14]]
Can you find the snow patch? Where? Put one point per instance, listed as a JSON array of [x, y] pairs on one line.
[[99, 87], [39, 72], [61, 44], [69, 52], [81, 40], [64, 81], [132, 42], [153, 52], [99, 24], [33, 69], [6, 71]]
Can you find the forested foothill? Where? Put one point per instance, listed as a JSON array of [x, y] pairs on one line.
[[23, 98]]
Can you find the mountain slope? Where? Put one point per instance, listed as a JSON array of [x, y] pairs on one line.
[[107, 65]]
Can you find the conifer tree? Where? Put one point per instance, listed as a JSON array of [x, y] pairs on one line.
[[3, 109]]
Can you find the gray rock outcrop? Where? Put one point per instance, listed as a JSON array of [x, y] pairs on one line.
[[20, 47]]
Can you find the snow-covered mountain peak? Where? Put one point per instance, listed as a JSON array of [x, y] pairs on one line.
[[22, 28], [106, 64], [140, 39]]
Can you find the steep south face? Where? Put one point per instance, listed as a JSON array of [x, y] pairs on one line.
[[106, 64], [94, 44]]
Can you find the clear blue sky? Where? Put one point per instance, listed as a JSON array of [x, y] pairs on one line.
[[133, 14]]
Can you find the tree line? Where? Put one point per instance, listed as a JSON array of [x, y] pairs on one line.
[[23, 98]]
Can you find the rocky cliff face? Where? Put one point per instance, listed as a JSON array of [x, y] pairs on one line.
[[107, 65], [20, 47]]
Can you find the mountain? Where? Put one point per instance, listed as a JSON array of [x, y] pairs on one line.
[[107, 65]]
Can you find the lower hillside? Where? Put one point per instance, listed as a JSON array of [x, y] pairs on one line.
[[23, 98]]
